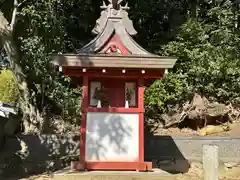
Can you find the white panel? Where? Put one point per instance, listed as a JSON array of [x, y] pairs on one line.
[[112, 137], [93, 86]]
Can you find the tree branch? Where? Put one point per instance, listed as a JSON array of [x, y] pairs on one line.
[[4, 25], [19, 4], [14, 14]]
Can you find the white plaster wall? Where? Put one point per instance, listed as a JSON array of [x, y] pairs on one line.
[[112, 137]]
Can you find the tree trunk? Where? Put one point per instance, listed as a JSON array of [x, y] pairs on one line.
[[29, 111]]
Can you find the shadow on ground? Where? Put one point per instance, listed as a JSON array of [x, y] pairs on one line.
[[163, 152], [23, 156], [36, 154]]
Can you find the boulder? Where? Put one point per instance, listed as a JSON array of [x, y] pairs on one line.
[[211, 129]]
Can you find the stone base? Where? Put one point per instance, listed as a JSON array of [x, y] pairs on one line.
[[69, 174]]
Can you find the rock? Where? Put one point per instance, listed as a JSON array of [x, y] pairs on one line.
[[216, 109], [231, 165], [208, 130]]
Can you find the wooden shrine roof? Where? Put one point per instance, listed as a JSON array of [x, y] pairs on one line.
[[113, 46]]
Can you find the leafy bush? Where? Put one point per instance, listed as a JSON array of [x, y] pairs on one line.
[[56, 91], [8, 88], [208, 51], [208, 54], [173, 88]]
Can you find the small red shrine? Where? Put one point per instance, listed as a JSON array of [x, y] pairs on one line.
[[113, 70]]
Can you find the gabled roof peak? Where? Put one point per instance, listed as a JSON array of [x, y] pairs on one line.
[[115, 11], [114, 20]]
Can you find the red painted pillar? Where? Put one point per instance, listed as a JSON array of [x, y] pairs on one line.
[[141, 118], [84, 118]]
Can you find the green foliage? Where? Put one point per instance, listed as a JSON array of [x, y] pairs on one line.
[[171, 89], [207, 47], [157, 21], [208, 51], [68, 99], [44, 29], [53, 88], [8, 88]]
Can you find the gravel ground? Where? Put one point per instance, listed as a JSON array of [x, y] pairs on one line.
[[195, 173]]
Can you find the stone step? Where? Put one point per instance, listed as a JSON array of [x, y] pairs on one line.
[[67, 174]]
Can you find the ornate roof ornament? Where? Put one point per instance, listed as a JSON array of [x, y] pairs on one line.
[[114, 10], [114, 20], [115, 4]]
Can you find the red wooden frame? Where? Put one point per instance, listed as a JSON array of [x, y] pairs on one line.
[[141, 118], [116, 110], [138, 164], [84, 119], [112, 73]]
